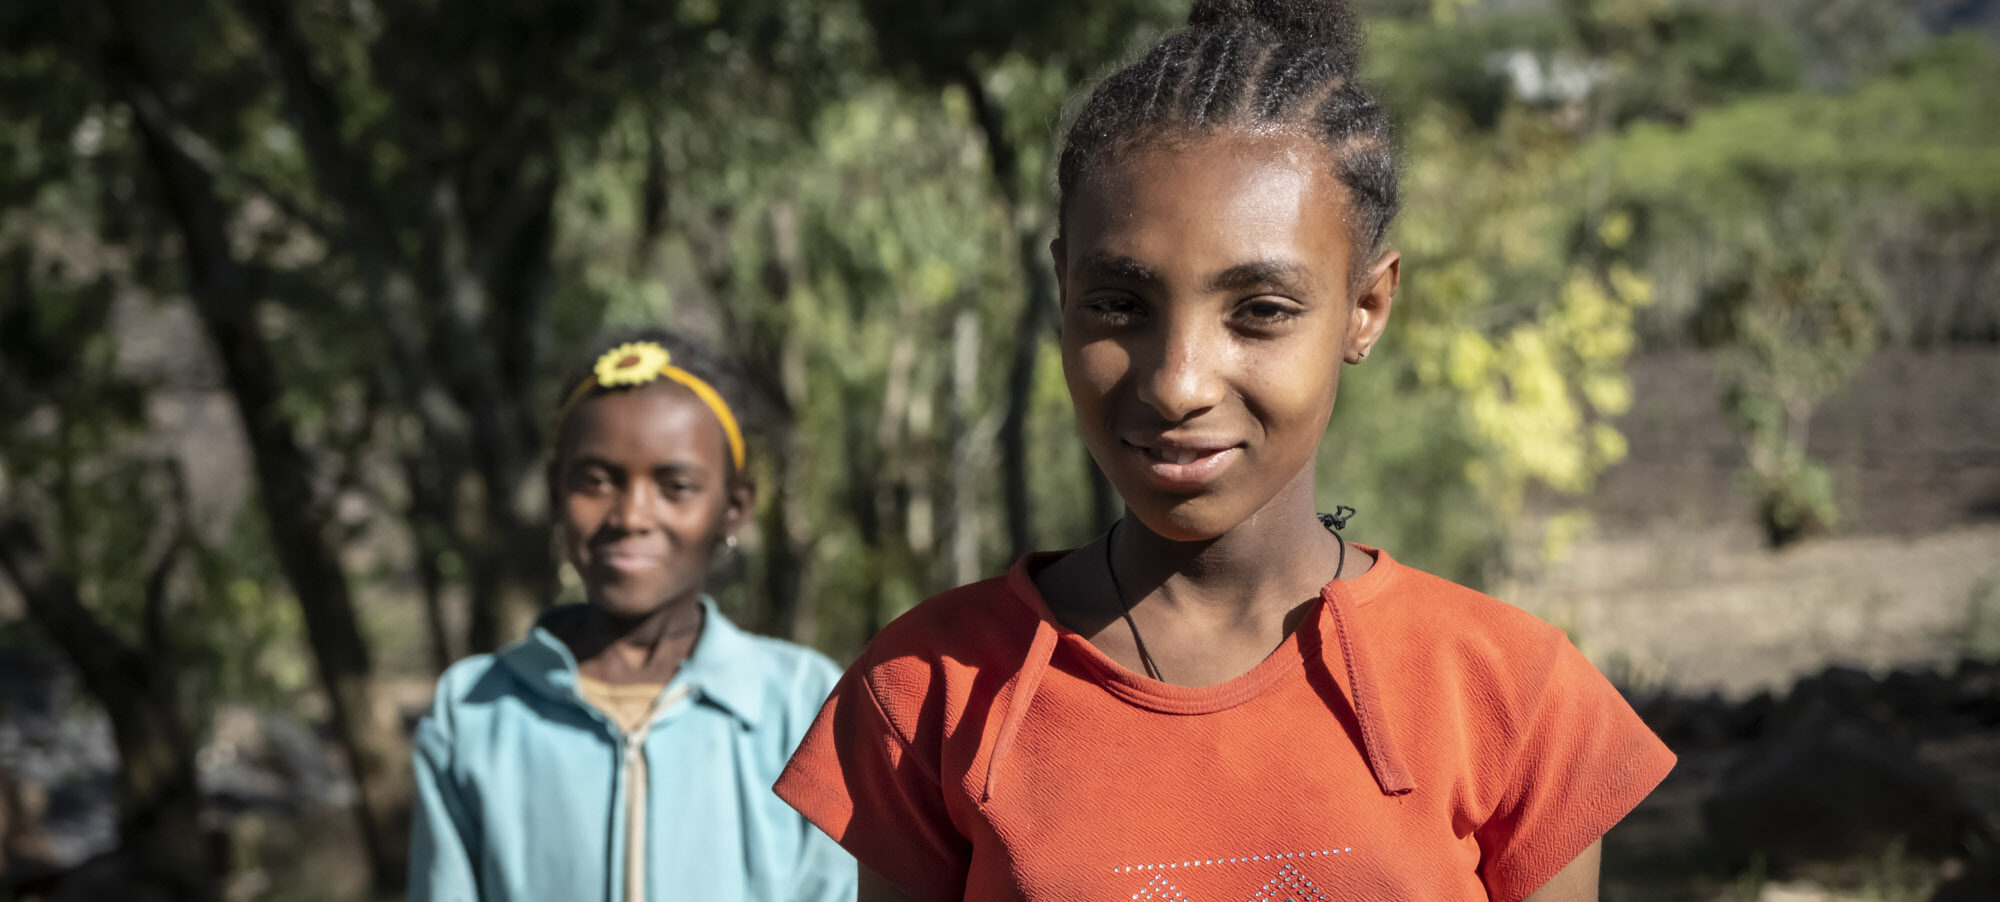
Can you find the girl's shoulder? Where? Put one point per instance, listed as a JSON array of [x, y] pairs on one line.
[[979, 623], [471, 674], [1476, 665], [790, 663], [468, 688], [762, 677], [1407, 610], [953, 651]]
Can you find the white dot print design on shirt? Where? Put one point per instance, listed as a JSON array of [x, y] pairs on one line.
[[1159, 889], [1288, 884]]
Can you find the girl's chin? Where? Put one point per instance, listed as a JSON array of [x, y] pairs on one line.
[[1201, 518], [1184, 520], [626, 602]]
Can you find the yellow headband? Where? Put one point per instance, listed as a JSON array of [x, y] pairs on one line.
[[641, 362]]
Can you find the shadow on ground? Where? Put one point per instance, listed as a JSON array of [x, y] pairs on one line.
[[1847, 786]]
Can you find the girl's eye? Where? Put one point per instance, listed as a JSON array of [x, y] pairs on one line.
[[590, 481], [1268, 311], [677, 489], [1112, 309]]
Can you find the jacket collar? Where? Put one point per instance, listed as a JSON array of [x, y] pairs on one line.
[[722, 668]]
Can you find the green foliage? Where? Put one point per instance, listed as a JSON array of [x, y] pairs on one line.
[[80, 465], [1796, 324], [1468, 439], [1757, 218]]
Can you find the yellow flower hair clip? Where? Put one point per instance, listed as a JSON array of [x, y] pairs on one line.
[[637, 363], [632, 363]]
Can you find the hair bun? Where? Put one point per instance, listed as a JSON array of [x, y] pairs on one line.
[[1332, 24]]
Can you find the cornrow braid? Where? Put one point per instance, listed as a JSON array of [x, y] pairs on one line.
[[1286, 65]]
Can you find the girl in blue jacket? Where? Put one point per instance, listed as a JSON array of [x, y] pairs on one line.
[[625, 749]]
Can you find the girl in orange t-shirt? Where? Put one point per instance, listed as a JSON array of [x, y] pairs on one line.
[[1221, 699]]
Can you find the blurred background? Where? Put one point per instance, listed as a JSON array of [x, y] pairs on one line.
[[1696, 357]]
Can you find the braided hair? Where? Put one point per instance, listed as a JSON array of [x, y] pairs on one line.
[[1284, 66]]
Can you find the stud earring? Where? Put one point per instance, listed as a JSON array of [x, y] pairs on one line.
[[724, 553]]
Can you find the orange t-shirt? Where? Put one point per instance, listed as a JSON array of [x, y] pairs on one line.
[[1442, 746]]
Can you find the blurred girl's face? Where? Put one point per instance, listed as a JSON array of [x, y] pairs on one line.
[[1208, 300], [643, 492]]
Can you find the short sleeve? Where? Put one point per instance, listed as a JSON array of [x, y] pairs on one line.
[[875, 790], [1582, 760]]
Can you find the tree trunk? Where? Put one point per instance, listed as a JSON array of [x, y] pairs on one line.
[[303, 536], [504, 276], [514, 575], [159, 800], [1030, 326], [963, 510], [1029, 333], [302, 532], [429, 517], [795, 616]]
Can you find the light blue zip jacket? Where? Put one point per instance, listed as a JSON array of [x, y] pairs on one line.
[[519, 795]]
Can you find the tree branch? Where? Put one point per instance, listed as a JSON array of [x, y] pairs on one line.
[[158, 643], [317, 118], [201, 153], [52, 598]]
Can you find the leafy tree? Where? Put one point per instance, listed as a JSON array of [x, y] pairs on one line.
[[1760, 216]]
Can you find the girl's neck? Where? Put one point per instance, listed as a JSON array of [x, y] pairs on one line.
[[646, 649], [1267, 564]]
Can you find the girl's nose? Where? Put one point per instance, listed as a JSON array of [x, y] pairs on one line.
[[633, 509], [1183, 379]]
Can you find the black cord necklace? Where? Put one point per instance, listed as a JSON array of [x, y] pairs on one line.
[[1334, 523], [1125, 606]]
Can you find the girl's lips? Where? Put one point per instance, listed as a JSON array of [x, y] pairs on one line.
[[625, 561], [1180, 468]]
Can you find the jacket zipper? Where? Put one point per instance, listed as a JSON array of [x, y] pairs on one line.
[[637, 781]]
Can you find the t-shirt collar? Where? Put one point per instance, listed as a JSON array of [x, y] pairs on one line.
[[722, 668]]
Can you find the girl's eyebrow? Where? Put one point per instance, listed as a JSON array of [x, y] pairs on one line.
[[586, 459], [1283, 274], [1104, 265], [1259, 274]]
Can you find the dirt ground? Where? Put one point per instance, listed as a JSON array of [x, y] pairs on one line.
[[1674, 591], [1675, 588], [1716, 611]]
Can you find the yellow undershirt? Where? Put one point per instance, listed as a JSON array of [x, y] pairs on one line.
[[631, 706]]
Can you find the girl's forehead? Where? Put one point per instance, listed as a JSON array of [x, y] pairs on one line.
[[1223, 198], [662, 419]]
